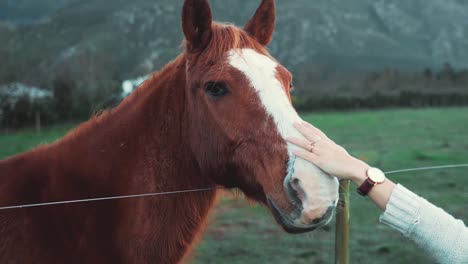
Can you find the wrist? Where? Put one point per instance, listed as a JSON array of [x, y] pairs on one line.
[[359, 172]]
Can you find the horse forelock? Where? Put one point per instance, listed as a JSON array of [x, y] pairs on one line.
[[226, 37]]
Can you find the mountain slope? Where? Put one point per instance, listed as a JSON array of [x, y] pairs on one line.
[[128, 38]]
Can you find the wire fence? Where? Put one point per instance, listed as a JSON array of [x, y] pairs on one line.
[[195, 190]]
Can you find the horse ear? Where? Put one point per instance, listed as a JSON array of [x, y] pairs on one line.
[[196, 24], [262, 24]]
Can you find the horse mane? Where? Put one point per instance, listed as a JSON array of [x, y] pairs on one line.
[[153, 82], [225, 37]]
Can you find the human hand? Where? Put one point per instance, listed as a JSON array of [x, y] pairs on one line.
[[327, 155]]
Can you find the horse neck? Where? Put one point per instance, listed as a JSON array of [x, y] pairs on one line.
[[138, 147], [143, 139]]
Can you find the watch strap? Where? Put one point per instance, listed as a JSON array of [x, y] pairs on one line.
[[365, 187]]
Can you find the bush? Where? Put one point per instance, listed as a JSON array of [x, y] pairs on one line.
[[23, 112], [377, 100]]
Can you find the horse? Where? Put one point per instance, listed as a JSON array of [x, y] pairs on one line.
[[216, 116]]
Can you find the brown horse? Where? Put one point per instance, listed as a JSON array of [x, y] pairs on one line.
[[217, 115]]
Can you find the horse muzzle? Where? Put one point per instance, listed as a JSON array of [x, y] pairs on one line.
[[292, 223], [313, 195]]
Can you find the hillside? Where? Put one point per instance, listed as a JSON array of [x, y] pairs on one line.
[[144, 34], [344, 54]]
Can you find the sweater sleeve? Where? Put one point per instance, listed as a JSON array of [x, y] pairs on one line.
[[435, 231]]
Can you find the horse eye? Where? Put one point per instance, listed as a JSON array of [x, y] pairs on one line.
[[216, 89]]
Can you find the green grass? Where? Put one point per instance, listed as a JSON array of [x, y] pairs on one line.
[[16, 142], [390, 139]]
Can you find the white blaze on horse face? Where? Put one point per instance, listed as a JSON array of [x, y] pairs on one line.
[[317, 191]]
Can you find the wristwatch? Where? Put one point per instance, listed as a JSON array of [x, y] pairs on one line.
[[374, 177]]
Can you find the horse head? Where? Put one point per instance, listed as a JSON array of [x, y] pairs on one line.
[[240, 112]]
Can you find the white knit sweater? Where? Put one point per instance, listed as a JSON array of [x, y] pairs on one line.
[[435, 231]]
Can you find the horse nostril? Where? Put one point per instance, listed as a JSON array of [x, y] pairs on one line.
[[296, 185], [295, 182]]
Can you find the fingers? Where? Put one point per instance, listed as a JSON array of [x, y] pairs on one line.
[[300, 142], [316, 148], [306, 155], [314, 129], [307, 133], [310, 152]]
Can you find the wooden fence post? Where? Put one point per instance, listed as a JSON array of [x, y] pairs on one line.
[[342, 225]]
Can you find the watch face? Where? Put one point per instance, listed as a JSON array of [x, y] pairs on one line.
[[376, 175]]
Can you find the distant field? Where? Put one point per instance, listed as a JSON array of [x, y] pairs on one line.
[[391, 139]]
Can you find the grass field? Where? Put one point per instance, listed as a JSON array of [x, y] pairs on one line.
[[390, 139]]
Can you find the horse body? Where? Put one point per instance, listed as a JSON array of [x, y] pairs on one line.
[[217, 115], [126, 149]]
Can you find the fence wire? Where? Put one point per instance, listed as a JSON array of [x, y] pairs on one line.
[[194, 190]]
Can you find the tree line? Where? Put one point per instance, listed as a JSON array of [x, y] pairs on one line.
[[78, 95]]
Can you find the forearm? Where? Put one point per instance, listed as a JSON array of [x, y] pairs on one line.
[[435, 231], [380, 193], [430, 227]]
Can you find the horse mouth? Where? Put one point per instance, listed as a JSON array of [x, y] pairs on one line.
[[292, 224], [297, 215]]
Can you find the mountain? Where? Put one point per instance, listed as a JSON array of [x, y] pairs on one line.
[[117, 39], [27, 12]]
